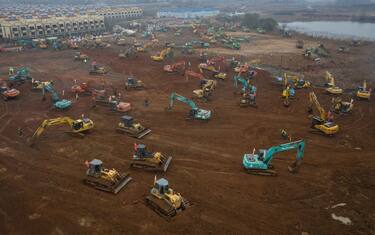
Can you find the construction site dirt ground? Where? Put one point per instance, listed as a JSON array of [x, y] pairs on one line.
[[41, 189]]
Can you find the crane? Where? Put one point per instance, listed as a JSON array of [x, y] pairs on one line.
[[57, 102], [260, 163], [77, 126], [195, 112], [320, 122]]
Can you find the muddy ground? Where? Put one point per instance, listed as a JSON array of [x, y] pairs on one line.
[[42, 190]]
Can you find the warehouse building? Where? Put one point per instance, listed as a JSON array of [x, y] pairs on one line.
[[186, 13], [16, 28]]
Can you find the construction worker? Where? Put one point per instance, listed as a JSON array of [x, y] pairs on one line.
[[11, 70], [330, 116], [146, 103], [77, 96], [93, 64], [20, 131]]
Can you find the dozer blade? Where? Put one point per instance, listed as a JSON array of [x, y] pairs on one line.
[[144, 133], [261, 172], [166, 164], [161, 207], [121, 184]]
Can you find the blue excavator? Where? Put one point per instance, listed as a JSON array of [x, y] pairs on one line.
[[21, 75], [57, 102], [248, 91], [260, 163], [195, 112]]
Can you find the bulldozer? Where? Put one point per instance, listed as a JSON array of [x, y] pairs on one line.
[[108, 180], [78, 127], [150, 161], [342, 107], [331, 87], [98, 70], [133, 84], [363, 92], [164, 200], [321, 122], [207, 87], [128, 127]]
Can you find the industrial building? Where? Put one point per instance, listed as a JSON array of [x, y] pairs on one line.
[[93, 21], [185, 13]]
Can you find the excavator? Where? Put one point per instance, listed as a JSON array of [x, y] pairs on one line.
[[113, 102], [207, 87], [82, 88], [176, 67], [248, 92], [8, 93], [133, 84], [320, 123], [331, 87], [127, 126], [342, 107], [81, 56], [209, 67], [195, 112], [260, 163], [298, 81], [166, 53], [191, 73], [108, 180], [164, 200], [78, 127], [57, 102], [363, 92], [21, 75], [152, 161]]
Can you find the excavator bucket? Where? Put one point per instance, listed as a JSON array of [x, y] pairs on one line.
[[294, 167]]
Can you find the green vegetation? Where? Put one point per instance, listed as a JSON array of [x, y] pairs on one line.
[[253, 21]]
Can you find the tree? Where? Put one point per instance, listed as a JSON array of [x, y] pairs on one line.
[[268, 24], [250, 20]]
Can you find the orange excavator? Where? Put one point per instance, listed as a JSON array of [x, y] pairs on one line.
[[176, 67], [8, 93], [191, 73]]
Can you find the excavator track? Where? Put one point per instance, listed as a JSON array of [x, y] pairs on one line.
[[151, 166], [161, 207], [261, 172]]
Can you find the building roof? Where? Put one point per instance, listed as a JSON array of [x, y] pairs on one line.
[[183, 9]]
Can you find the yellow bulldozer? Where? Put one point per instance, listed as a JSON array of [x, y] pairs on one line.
[[164, 200], [109, 180], [77, 127]]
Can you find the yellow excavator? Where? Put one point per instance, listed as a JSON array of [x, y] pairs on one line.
[[163, 54], [331, 86], [164, 200], [206, 89], [321, 122], [342, 107], [363, 92], [77, 126]]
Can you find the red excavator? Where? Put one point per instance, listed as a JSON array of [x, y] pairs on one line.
[[174, 68]]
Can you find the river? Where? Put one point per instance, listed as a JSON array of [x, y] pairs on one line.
[[334, 29]]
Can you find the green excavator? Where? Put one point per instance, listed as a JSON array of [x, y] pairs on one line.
[[260, 163], [195, 112]]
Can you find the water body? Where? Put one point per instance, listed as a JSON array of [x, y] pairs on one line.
[[334, 29]]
